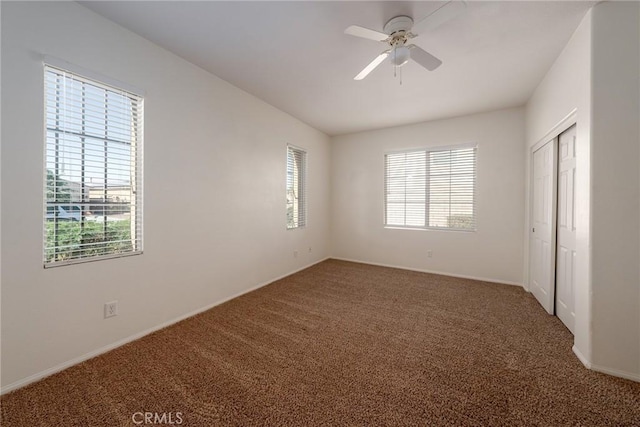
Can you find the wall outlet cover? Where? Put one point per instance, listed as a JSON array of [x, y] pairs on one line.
[[110, 309]]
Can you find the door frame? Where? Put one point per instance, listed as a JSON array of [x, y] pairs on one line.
[[551, 136]]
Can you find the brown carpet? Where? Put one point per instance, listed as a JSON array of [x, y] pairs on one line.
[[343, 344]]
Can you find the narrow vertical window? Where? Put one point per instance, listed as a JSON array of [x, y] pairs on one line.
[[93, 170], [432, 188], [296, 187]]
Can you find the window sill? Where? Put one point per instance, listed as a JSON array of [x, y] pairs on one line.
[[90, 259], [461, 230]]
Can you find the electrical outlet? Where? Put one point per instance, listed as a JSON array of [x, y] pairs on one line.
[[429, 254], [295, 254], [110, 309]]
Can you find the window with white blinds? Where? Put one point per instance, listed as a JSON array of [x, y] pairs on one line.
[[93, 170], [431, 188], [296, 187]]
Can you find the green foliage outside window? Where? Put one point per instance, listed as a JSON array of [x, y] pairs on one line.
[[90, 234]]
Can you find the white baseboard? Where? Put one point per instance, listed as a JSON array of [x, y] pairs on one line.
[[69, 363], [616, 373], [442, 273], [581, 357], [609, 371]]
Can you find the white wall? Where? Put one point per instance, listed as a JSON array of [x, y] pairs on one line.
[[615, 188], [567, 88], [494, 252], [214, 219]]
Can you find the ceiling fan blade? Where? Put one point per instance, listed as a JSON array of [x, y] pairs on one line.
[[424, 58], [372, 66], [438, 17], [366, 33]]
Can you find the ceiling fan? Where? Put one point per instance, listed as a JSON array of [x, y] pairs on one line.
[[399, 30]]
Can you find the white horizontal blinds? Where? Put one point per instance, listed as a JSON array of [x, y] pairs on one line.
[[93, 169], [431, 189], [405, 188], [296, 187], [451, 183]]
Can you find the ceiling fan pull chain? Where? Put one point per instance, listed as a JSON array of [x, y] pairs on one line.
[[395, 66]]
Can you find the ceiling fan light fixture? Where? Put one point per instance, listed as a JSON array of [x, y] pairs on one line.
[[400, 56]]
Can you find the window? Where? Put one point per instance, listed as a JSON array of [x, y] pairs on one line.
[[93, 170], [296, 187], [431, 188]]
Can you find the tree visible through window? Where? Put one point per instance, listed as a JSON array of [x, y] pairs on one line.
[[431, 189], [296, 188], [93, 169]]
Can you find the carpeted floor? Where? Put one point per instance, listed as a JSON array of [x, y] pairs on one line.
[[343, 344]]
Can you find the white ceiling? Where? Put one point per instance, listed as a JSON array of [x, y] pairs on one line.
[[295, 56]]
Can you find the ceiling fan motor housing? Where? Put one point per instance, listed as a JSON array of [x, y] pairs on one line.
[[397, 24]]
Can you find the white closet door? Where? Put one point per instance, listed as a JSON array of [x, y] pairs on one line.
[[542, 262], [566, 251]]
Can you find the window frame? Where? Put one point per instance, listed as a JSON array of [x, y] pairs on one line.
[[303, 194], [51, 64], [427, 150]]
